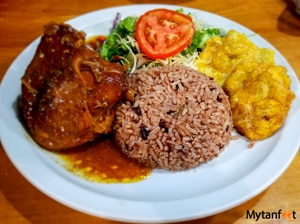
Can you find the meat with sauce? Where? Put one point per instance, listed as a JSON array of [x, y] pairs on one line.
[[69, 93]]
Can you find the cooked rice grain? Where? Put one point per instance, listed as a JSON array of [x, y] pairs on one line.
[[180, 118]]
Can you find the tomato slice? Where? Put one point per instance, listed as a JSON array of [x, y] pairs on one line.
[[162, 33]]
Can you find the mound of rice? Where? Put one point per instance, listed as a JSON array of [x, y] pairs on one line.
[[180, 118]]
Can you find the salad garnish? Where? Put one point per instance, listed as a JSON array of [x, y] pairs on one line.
[[159, 37]]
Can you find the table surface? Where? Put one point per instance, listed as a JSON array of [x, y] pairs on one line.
[[21, 21]]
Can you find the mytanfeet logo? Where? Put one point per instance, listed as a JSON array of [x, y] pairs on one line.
[[289, 216]]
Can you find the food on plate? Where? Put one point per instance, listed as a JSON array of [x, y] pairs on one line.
[[260, 99], [221, 56], [129, 41], [171, 100], [258, 89], [102, 161], [69, 92], [162, 33], [180, 118]]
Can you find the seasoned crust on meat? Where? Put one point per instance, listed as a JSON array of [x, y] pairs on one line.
[[69, 92]]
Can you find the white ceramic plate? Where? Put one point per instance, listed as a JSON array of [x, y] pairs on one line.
[[237, 175]]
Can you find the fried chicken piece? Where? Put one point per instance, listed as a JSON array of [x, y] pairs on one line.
[[69, 93]]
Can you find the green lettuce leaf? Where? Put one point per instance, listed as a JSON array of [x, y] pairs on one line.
[[199, 40], [113, 45]]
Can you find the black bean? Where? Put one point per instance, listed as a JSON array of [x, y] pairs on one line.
[[144, 132], [137, 110], [212, 88], [170, 112], [227, 128], [219, 99], [163, 124]]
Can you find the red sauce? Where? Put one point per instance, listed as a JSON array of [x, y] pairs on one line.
[[96, 42], [103, 161]]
